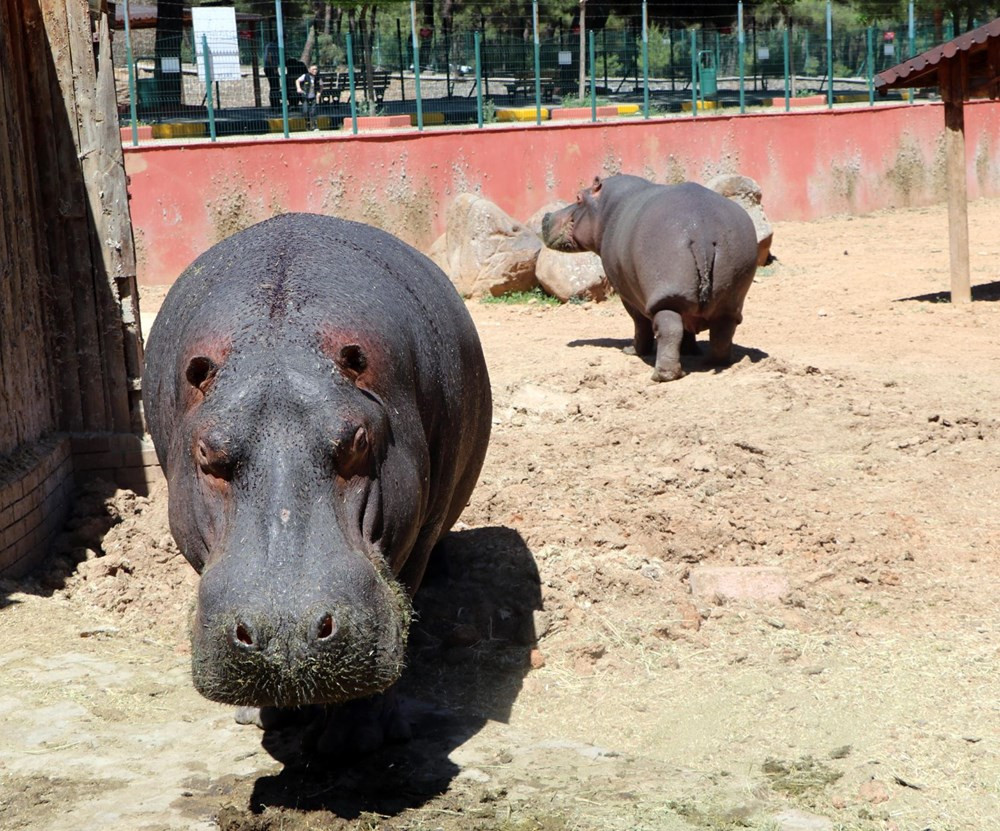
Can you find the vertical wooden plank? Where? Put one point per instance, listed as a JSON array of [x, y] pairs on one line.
[[98, 133], [951, 84], [117, 237], [27, 389], [66, 206]]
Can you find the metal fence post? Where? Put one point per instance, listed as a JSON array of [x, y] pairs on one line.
[[788, 80], [829, 55], [282, 69], [912, 43], [479, 81], [645, 62], [593, 80], [206, 59], [350, 82], [131, 78], [870, 65], [538, 62], [740, 42], [416, 64], [694, 73]]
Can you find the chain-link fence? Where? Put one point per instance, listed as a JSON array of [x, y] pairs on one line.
[[221, 71]]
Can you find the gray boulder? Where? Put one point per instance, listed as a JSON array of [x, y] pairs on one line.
[[484, 250], [569, 276], [746, 192]]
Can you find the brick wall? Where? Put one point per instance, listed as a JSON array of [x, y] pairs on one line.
[[37, 486]]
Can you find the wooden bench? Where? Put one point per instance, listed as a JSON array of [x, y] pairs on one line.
[[524, 85], [334, 84]]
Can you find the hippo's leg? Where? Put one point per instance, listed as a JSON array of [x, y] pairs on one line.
[[669, 331], [721, 334], [689, 344], [642, 341]]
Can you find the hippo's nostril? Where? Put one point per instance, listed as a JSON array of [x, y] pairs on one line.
[[243, 636], [326, 628]]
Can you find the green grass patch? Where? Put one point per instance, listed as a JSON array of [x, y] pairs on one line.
[[512, 298]]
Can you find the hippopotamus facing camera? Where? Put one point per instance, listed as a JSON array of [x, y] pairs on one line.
[[319, 402], [681, 257]]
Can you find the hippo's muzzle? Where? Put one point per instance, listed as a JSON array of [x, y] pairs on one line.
[[557, 231], [331, 647]]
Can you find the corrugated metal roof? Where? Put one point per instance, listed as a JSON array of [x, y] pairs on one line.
[[923, 70]]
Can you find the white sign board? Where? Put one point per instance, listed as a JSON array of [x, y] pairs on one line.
[[763, 53], [565, 58], [217, 26]]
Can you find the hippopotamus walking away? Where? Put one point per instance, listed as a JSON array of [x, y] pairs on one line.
[[319, 402], [681, 257]]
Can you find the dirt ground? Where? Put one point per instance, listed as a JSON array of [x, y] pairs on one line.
[[763, 597]]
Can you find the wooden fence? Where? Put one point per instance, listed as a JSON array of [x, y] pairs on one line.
[[70, 345]]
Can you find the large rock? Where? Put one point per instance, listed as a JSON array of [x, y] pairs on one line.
[[569, 276], [485, 251], [535, 220], [746, 192]]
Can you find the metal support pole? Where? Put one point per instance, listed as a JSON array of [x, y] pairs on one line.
[[350, 83], [479, 81], [788, 80], [694, 73], [131, 78], [593, 79], [645, 62], [829, 55], [206, 58], [912, 46], [583, 44], [740, 42], [538, 62], [870, 64], [402, 60], [416, 64], [282, 70]]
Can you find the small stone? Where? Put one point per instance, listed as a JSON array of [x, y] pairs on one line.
[[701, 461], [794, 820], [766, 584], [874, 792], [841, 752], [536, 659]]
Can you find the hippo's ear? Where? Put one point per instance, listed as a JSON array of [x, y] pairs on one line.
[[201, 372], [352, 361], [597, 185]]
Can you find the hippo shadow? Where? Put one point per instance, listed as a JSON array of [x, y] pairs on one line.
[[690, 363], [984, 292], [468, 652]]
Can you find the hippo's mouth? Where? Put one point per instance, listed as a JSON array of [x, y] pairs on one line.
[[363, 656], [558, 235]]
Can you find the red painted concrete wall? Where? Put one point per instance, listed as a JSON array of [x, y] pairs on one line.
[[186, 197]]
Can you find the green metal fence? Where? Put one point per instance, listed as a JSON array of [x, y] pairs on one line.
[[216, 85]]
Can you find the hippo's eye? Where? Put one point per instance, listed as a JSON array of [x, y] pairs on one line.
[[213, 462], [353, 455]]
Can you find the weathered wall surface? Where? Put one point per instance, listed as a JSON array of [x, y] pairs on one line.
[[69, 358], [186, 198]]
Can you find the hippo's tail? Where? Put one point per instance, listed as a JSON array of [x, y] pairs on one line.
[[704, 260]]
